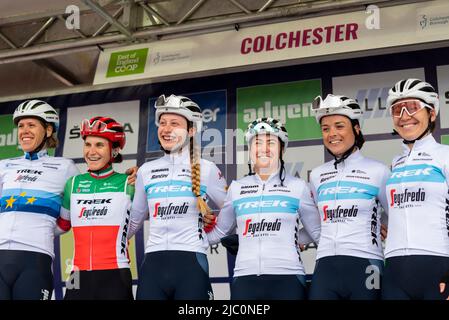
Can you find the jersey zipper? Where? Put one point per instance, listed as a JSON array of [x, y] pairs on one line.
[[339, 175], [405, 208], [259, 241], [166, 200]]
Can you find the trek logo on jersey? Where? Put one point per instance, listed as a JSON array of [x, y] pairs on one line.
[[417, 173], [411, 173], [27, 175], [167, 212], [266, 204], [346, 190], [262, 228], [341, 190], [339, 213], [93, 201], [399, 199], [172, 189], [93, 212], [263, 204]]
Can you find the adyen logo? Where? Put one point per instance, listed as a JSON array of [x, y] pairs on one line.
[[165, 211], [399, 199], [281, 112], [255, 229], [333, 215]]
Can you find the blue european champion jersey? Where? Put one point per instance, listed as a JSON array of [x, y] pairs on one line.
[[31, 196]]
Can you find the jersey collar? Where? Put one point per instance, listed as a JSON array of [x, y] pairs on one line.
[[36, 155], [101, 174], [181, 157], [421, 143]]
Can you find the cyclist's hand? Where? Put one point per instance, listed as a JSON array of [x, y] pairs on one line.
[[383, 232], [132, 173], [444, 282], [209, 221]]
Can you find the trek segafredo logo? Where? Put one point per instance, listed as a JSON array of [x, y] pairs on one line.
[[169, 212], [339, 213], [262, 228], [407, 198]]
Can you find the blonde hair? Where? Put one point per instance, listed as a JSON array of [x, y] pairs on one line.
[[195, 159]]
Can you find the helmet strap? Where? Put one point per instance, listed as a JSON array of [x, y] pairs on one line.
[[347, 152]]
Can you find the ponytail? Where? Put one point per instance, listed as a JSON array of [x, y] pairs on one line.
[[196, 174]]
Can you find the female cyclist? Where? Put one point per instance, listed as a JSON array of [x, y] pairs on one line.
[[97, 206], [350, 193], [417, 248], [266, 206], [172, 192], [31, 187]]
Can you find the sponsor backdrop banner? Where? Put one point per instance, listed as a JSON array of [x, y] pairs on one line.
[[361, 30], [371, 91], [248, 95], [289, 102], [126, 112], [443, 88], [213, 106], [9, 144]]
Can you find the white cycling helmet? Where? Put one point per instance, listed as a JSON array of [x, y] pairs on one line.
[[180, 105], [267, 126], [336, 105], [39, 109], [414, 88]]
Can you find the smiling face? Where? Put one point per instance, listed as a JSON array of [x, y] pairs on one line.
[[338, 136], [97, 152], [31, 133], [172, 131], [411, 127], [264, 153]]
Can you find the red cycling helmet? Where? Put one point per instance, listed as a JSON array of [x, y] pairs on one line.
[[106, 128]]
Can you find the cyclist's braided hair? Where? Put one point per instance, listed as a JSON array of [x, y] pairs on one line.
[[195, 159]]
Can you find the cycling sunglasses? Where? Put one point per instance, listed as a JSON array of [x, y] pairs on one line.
[[410, 106]]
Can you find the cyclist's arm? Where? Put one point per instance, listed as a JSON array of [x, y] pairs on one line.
[[63, 221], [139, 208], [216, 186], [308, 213], [226, 221]]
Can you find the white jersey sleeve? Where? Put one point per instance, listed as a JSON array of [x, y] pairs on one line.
[[216, 185], [226, 220], [383, 196], [139, 209], [308, 213]]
